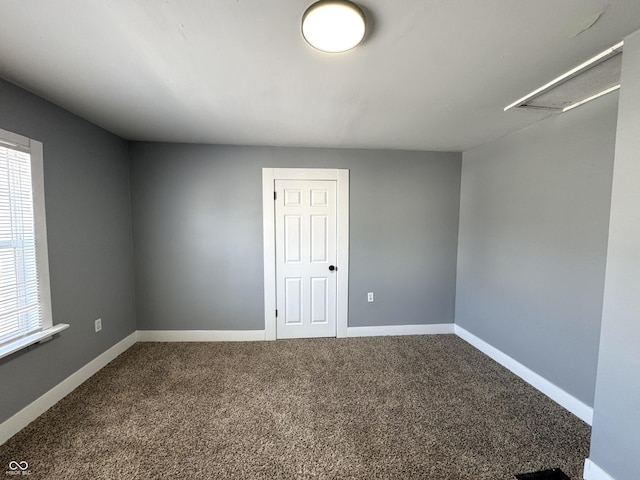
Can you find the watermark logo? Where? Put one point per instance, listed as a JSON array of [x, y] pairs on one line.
[[18, 468]]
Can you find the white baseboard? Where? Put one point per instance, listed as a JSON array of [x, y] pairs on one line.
[[200, 335], [400, 330], [28, 414], [594, 472], [17, 422], [568, 401]]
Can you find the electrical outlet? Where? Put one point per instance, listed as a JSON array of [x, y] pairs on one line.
[[98, 324], [370, 297]]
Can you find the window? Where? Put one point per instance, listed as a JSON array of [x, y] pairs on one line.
[[25, 298]]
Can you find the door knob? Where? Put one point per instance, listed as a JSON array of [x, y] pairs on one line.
[[332, 268]]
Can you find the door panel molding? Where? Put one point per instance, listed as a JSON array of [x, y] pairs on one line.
[[306, 247], [269, 176]]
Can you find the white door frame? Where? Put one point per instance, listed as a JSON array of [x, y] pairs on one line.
[[269, 176]]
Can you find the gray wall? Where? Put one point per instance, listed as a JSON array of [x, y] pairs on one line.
[[533, 237], [615, 437], [90, 249], [197, 215]]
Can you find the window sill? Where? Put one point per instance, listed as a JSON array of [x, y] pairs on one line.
[[24, 342]]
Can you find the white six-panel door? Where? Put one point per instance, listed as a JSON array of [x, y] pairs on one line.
[[306, 253]]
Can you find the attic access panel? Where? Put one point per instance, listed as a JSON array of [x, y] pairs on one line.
[[595, 77]]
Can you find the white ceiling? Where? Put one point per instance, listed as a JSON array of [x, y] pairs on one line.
[[430, 75]]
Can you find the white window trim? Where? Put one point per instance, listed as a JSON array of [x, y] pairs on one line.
[[13, 140]]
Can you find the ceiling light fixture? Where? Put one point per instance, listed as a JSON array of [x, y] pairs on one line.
[[333, 26], [599, 74]]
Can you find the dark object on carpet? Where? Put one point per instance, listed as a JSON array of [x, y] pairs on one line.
[[423, 407], [553, 474]]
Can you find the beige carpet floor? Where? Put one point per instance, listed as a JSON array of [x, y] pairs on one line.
[[423, 407]]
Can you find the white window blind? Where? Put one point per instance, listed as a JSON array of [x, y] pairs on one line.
[[25, 297], [20, 312]]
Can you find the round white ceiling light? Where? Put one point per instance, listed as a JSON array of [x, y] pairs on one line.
[[333, 26]]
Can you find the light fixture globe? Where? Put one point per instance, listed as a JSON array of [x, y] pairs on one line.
[[333, 26]]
